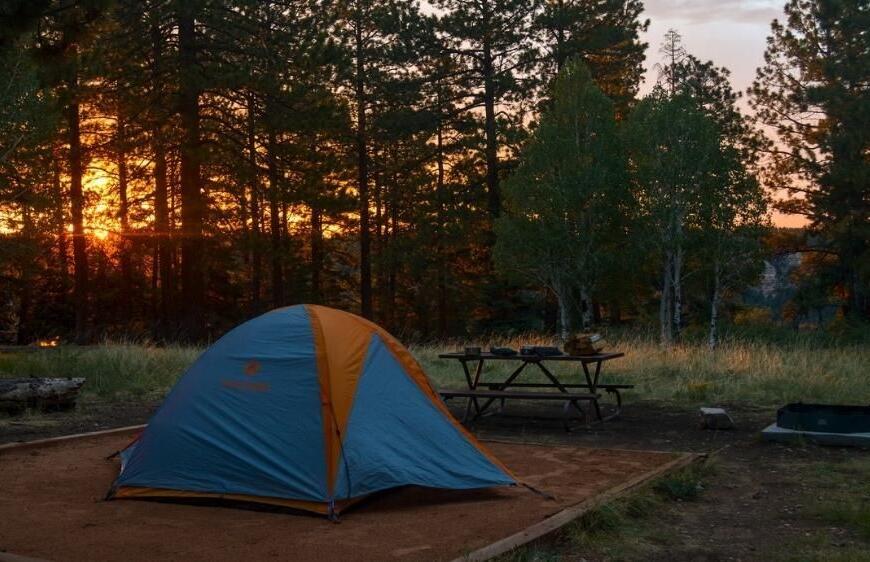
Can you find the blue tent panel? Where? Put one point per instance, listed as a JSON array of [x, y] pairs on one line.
[[396, 436], [245, 419]]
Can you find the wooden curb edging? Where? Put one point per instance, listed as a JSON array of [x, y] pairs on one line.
[[39, 443], [9, 557], [571, 513]]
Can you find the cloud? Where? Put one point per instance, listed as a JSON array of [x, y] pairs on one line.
[[759, 12]]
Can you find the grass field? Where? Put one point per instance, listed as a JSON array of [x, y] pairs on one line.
[[739, 371]]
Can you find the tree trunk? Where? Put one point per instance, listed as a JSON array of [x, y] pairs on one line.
[[492, 183], [586, 306], [24, 332], [275, 222], [564, 314], [243, 195], [124, 219], [713, 339], [392, 278], [192, 200], [677, 281], [614, 313], [61, 223], [365, 266], [155, 285], [441, 265], [163, 237], [286, 251], [596, 313], [77, 202], [162, 228], [379, 246], [316, 253], [256, 214], [665, 335], [560, 52]]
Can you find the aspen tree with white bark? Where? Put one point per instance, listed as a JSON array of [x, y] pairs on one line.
[[673, 148]]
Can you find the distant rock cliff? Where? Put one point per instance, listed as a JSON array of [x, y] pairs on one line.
[[775, 287]]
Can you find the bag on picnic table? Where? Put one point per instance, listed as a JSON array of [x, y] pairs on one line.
[[585, 344]]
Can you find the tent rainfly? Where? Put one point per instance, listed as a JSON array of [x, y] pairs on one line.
[[307, 407]]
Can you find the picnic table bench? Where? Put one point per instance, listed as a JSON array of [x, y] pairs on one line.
[[482, 395]]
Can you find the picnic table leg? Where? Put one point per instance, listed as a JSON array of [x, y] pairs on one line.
[[618, 397], [477, 372], [472, 385], [568, 405], [561, 388], [503, 386], [592, 381], [566, 414], [467, 374]]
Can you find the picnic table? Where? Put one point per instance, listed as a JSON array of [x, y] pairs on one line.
[[483, 394]]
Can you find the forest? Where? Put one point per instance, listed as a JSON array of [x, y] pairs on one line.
[[170, 168]]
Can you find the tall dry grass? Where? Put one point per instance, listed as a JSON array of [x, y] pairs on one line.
[[111, 368], [739, 371]]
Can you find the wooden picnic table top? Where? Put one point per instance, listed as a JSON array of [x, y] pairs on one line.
[[592, 358]]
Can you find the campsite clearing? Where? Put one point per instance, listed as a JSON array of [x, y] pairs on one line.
[[70, 521], [759, 497]]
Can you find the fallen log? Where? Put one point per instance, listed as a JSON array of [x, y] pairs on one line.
[[45, 394]]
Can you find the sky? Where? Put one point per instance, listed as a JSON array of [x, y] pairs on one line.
[[731, 33]]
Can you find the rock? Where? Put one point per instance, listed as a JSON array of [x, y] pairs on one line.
[[716, 418]]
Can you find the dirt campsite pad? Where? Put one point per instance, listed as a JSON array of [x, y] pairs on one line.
[[51, 508]]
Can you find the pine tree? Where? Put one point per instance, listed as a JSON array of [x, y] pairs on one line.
[[380, 40], [493, 39], [605, 35], [812, 93]]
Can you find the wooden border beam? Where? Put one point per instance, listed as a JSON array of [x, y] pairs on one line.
[[575, 511], [38, 443]]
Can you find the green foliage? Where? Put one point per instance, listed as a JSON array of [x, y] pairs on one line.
[[563, 203], [25, 113], [685, 485], [673, 147]]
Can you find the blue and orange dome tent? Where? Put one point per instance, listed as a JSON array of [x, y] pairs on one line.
[[306, 407]]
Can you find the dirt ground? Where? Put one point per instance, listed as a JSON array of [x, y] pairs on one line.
[[757, 502], [51, 508]]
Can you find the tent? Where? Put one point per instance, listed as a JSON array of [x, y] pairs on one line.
[[307, 407]]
